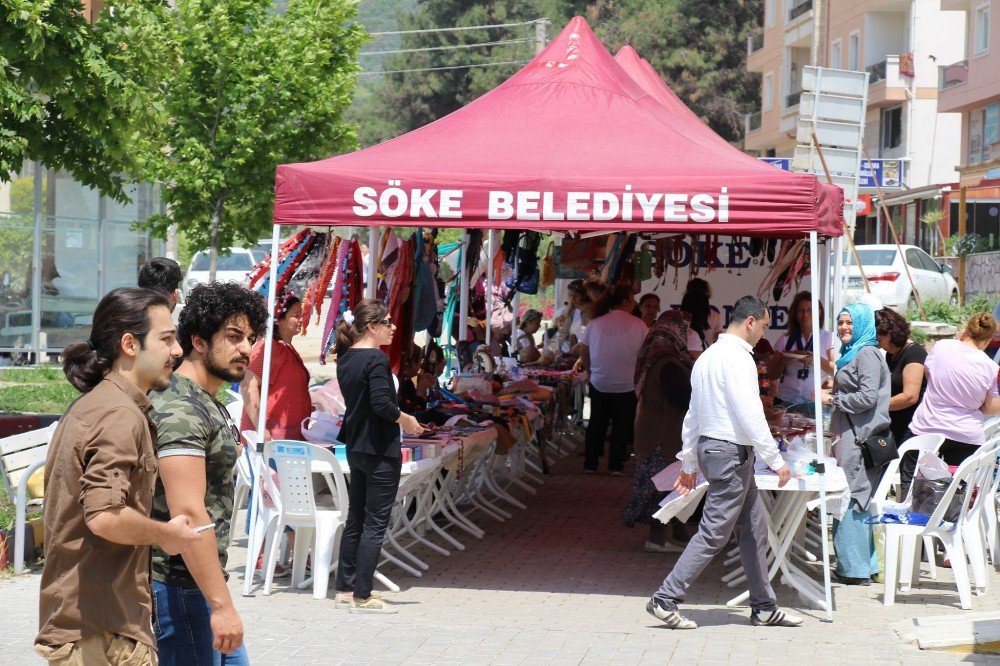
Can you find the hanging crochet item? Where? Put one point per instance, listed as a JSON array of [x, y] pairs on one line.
[[337, 307], [289, 263], [318, 291], [262, 269]]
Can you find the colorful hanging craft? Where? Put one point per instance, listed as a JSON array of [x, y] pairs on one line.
[[337, 307], [262, 270], [317, 289]]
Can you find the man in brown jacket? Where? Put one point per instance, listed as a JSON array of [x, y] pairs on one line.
[[95, 605]]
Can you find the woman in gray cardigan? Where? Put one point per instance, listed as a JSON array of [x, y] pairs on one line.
[[860, 400]]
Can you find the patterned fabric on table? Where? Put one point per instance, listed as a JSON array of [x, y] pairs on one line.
[[644, 500]]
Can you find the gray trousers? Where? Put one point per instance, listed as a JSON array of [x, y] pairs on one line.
[[731, 502]]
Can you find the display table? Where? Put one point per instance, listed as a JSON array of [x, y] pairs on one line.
[[784, 509]]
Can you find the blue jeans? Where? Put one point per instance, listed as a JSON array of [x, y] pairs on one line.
[[183, 632]]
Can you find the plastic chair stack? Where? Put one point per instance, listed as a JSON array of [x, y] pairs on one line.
[[964, 541], [318, 524]]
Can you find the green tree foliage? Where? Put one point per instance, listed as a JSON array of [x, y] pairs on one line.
[[699, 48], [395, 103], [73, 95], [248, 89]]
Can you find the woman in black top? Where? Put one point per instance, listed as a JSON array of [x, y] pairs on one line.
[[371, 431], [905, 359]]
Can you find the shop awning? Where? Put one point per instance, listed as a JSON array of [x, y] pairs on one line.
[[571, 143]]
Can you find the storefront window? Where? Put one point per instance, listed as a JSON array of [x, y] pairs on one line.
[[87, 247]]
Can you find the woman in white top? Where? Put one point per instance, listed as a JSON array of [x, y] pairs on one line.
[[791, 364], [523, 345]]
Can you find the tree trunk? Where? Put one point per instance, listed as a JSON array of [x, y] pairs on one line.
[[213, 239]]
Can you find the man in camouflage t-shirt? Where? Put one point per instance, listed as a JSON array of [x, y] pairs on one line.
[[198, 446]]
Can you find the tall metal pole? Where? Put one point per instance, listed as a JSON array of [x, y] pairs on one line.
[[372, 277], [541, 27], [490, 249], [962, 222], [463, 289], [265, 381], [818, 413], [36, 261], [817, 43]]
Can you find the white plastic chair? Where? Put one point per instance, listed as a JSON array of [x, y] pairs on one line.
[[317, 526], [244, 476], [951, 536], [890, 480], [20, 456]]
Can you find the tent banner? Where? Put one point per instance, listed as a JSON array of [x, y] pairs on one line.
[[628, 205]]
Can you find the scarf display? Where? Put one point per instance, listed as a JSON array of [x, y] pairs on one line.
[[864, 333], [667, 337]]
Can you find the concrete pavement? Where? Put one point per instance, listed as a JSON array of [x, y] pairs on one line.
[[560, 583]]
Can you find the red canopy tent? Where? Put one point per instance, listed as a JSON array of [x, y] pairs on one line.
[[571, 142], [575, 141]]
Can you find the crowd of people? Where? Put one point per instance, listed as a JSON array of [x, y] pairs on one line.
[[140, 471]]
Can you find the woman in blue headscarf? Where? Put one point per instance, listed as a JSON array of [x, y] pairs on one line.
[[860, 400]]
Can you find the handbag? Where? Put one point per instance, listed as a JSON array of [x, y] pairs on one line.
[[528, 285], [878, 449], [926, 495], [547, 278], [643, 266]]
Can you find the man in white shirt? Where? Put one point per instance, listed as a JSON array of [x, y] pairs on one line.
[[723, 429], [609, 348]]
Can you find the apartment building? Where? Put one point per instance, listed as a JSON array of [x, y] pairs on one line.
[[970, 86], [901, 43]]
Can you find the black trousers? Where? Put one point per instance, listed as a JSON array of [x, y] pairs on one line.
[[374, 482], [616, 410], [952, 452]]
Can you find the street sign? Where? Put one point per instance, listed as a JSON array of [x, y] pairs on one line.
[[890, 174], [887, 173]]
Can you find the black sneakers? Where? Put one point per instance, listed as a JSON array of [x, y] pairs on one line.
[[672, 618]]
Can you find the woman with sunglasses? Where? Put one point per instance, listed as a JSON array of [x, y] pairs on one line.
[[371, 431]]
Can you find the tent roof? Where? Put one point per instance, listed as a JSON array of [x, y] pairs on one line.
[[570, 142]]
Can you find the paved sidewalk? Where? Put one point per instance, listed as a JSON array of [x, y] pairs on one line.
[[560, 583]]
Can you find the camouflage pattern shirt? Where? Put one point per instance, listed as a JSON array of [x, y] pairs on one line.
[[190, 422]]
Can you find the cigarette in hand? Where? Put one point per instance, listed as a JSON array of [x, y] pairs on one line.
[[205, 528]]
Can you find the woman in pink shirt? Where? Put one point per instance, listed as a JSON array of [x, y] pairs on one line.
[[961, 389]]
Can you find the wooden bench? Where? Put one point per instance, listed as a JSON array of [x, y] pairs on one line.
[[20, 456]]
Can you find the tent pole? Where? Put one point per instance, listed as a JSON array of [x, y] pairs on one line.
[[463, 290], [262, 413], [490, 249], [817, 391], [837, 297], [372, 277]]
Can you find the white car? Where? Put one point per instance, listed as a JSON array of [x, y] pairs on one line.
[[233, 265], [883, 266]]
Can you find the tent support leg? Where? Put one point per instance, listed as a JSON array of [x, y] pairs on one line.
[[817, 390]]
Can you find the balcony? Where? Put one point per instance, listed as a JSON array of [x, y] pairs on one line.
[[953, 75], [793, 99], [877, 72], [886, 86], [799, 9], [751, 122], [755, 43]]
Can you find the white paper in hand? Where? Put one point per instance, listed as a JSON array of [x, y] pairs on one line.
[[667, 477]]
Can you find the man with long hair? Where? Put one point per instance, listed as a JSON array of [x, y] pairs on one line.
[[94, 604]]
